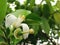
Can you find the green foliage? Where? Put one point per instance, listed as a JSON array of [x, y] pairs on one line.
[[21, 12], [10, 1], [45, 25], [46, 10], [32, 2], [3, 7], [58, 4], [1, 33], [57, 18], [38, 17], [14, 41], [33, 16], [34, 20]]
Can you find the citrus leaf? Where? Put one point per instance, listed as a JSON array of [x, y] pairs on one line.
[[44, 25], [57, 18], [33, 20], [46, 10], [33, 16], [1, 32], [14, 40], [21, 12], [32, 2], [58, 4], [3, 7]]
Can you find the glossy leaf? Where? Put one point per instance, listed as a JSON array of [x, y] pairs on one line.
[[36, 28], [3, 6], [45, 25], [33, 20], [57, 18], [21, 12], [34, 17]]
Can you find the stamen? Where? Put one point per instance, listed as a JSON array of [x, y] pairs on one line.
[[25, 32], [22, 17]]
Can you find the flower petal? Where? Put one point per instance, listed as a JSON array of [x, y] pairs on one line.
[[19, 20], [25, 28], [9, 19]]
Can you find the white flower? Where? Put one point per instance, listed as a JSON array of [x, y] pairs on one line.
[[9, 19], [25, 29], [37, 2], [17, 22], [53, 3], [12, 6], [13, 20], [22, 2]]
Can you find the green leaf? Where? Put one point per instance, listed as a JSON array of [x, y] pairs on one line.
[[3, 7], [32, 2], [33, 20], [14, 41], [10, 1], [36, 28], [1, 39], [3, 43], [59, 34], [57, 18], [1, 32], [33, 24], [48, 2], [2, 36], [44, 25], [46, 10], [58, 4], [52, 0], [34, 17], [7, 32], [21, 12]]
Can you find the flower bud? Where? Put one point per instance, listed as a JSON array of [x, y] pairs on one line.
[[31, 31]]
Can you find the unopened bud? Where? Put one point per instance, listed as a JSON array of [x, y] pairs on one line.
[[31, 31]]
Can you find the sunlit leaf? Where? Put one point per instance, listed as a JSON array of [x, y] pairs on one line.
[[33, 20], [3, 6], [58, 4], [57, 18], [21, 12]]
